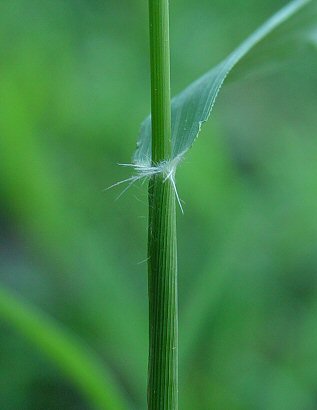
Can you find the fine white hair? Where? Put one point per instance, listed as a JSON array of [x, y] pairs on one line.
[[145, 170]]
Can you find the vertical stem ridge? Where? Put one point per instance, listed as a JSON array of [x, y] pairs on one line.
[[160, 79], [163, 378]]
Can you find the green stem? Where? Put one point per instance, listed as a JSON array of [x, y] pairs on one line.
[[162, 248], [160, 80]]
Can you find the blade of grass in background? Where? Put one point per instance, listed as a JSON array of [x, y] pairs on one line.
[[77, 361]]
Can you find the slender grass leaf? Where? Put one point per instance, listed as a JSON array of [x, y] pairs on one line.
[[192, 107], [77, 361], [42, 206]]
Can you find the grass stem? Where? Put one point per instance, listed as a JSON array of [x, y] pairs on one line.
[[162, 248]]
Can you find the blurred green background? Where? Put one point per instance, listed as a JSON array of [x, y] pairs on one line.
[[74, 87]]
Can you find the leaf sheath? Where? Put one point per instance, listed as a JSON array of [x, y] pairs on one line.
[[163, 362]]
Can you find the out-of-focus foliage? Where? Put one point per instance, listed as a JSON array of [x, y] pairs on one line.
[[74, 86]]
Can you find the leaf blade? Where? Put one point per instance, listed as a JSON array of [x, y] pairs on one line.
[[78, 362], [193, 106]]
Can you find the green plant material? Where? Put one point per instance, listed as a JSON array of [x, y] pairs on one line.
[[163, 139], [76, 360], [192, 107], [163, 321], [162, 248], [29, 181], [160, 80]]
